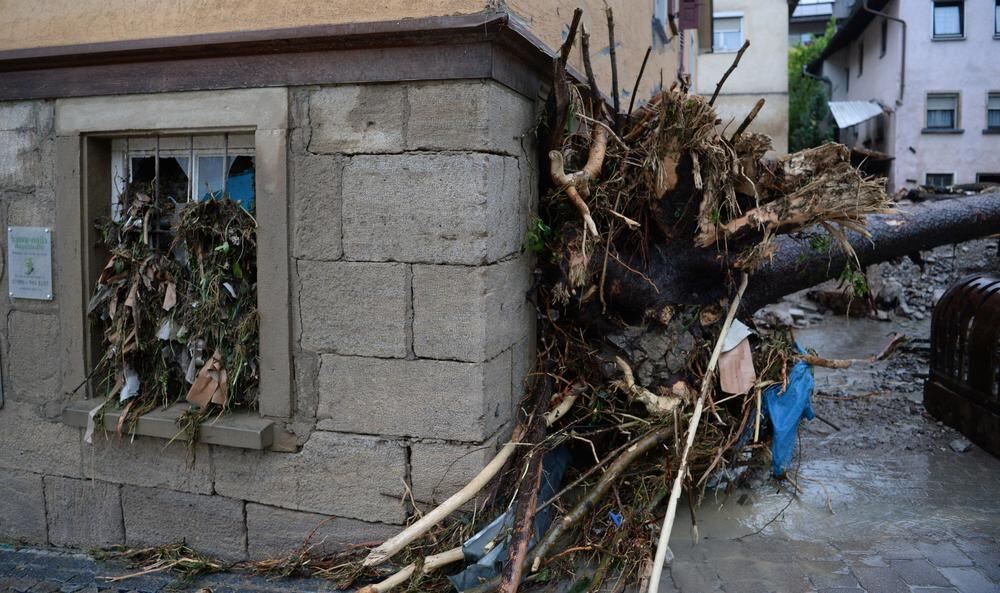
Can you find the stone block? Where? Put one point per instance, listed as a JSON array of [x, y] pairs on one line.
[[420, 398], [33, 209], [17, 115], [470, 313], [274, 532], [83, 513], [29, 442], [347, 476], [438, 470], [22, 507], [151, 462], [210, 524], [317, 206], [306, 387], [432, 208], [34, 356], [356, 118], [468, 115], [19, 158], [354, 308]]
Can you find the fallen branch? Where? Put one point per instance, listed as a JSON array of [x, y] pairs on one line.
[[706, 384], [430, 563], [594, 496], [394, 545]]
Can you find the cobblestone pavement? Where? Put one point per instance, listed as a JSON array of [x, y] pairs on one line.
[[885, 504], [37, 570]]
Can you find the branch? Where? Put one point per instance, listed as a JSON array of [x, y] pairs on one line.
[[736, 62], [394, 545], [707, 382], [614, 70], [430, 563]]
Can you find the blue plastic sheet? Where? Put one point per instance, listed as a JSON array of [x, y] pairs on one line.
[[785, 409]]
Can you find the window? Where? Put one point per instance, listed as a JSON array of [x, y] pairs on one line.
[[727, 33], [940, 180], [660, 20], [942, 112], [95, 153], [189, 167], [949, 20], [996, 19], [988, 178], [993, 111], [861, 59], [885, 37], [847, 80]]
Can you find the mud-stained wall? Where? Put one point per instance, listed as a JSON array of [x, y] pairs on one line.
[[28, 23]]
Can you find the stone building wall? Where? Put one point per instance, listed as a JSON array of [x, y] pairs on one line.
[[411, 334]]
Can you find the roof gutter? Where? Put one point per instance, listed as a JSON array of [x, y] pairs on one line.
[[902, 66]]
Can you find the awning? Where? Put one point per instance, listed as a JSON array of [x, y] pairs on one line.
[[850, 113]]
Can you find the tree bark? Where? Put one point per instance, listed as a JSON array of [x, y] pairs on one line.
[[676, 274]]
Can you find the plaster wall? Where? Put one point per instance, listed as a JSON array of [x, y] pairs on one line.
[[964, 66], [26, 23], [762, 73], [410, 339]]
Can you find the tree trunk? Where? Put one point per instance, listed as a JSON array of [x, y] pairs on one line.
[[687, 275]]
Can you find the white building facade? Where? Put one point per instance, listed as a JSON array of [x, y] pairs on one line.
[[934, 69]]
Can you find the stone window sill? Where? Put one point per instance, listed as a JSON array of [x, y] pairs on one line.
[[243, 430], [942, 131], [948, 38]]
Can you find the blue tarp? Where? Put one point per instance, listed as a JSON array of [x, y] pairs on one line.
[[785, 409]]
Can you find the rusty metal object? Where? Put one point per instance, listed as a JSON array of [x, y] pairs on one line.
[[963, 386]]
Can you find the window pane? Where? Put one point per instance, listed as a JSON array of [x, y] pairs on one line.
[[940, 119], [993, 118], [939, 179], [240, 186], [996, 19], [209, 177], [993, 102], [947, 20], [173, 175]]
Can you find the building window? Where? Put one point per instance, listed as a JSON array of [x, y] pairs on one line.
[[993, 111], [942, 112], [885, 37], [190, 168], [727, 33], [861, 59], [949, 20], [996, 19], [660, 20], [248, 163], [992, 178], [940, 180]]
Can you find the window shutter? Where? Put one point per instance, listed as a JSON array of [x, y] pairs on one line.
[[689, 14]]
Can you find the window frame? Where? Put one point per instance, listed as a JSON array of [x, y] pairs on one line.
[[979, 177], [742, 31], [991, 95], [950, 174], [960, 4], [85, 128], [956, 126], [996, 19]]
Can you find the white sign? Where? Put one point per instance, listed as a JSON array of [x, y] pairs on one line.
[[29, 250]]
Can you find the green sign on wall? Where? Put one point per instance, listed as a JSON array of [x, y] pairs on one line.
[[29, 250]]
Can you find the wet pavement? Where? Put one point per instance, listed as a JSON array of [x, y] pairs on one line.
[[883, 505]]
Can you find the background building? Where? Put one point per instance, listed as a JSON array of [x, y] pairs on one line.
[[810, 17], [918, 88], [762, 72]]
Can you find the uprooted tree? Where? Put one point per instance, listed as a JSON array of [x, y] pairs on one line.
[[658, 227]]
